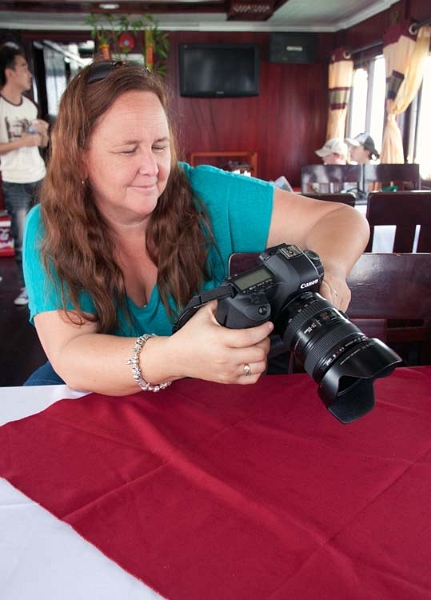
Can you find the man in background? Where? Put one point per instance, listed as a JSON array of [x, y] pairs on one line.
[[334, 152], [21, 135], [362, 149]]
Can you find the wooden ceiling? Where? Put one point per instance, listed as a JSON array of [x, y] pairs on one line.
[[196, 15], [244, 10]]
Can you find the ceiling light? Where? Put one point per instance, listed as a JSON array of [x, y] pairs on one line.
[[109, 6]]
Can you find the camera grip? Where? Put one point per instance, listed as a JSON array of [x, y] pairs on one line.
[[243, 311]]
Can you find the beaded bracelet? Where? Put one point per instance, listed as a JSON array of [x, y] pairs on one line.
[[136, 371]]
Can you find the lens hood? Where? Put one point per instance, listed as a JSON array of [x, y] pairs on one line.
[[347, 387]]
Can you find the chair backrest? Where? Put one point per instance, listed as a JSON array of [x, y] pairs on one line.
[[344, 198], [391, 286], [391, 298], [404, 177], [394, 289], [330, 178], [405, 210]]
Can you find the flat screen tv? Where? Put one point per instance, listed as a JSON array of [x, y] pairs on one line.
[[219, 70]]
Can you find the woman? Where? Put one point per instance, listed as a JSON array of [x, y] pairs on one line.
[[362, 149], [125, 236]]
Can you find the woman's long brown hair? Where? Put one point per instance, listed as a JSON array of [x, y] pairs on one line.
[[78, 243]]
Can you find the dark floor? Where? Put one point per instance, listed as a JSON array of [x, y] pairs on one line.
[[20, 350]]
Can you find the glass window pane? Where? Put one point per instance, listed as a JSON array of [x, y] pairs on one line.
[[367, 106], [423, 154], [358, 103], [377, 104]]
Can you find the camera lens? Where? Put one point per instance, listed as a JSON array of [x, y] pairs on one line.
[[316, 332], [336, 353]]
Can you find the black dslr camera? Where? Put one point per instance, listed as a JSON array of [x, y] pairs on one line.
[[334, 352]]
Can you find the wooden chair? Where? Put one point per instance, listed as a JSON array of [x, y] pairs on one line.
[[405, 210], [404, 177], [391, 299], [329, 179], [346, 198]]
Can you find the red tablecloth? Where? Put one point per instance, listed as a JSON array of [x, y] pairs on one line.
[[209, 492]]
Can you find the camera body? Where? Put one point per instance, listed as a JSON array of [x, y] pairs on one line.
[[261, 293]]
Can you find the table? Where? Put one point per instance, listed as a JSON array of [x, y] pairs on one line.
[[229, 493]]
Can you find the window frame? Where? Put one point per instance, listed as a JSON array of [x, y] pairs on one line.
[[409, 121]]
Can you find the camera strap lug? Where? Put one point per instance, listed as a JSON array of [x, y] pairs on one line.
[[224, 291]]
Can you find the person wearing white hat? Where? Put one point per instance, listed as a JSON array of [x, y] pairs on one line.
[[334, 152], [362, 149]]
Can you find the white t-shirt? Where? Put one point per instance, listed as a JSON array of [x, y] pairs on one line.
[[24, 165]]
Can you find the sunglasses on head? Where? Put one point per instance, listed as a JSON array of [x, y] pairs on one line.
[[101, 69]]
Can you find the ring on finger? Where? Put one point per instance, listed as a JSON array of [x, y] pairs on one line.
[[247, 370]]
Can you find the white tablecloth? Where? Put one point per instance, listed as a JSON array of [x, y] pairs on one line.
[[42, 558]]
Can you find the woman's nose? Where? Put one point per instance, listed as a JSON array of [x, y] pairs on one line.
[[148, 164]]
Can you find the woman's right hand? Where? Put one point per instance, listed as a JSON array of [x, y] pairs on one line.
[[207, 350]]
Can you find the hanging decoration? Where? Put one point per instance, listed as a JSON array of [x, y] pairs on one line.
[[149, 49], [126, 42], [119, 36]]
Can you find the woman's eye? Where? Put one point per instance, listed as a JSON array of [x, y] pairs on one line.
[[159, 148], [129, 151]]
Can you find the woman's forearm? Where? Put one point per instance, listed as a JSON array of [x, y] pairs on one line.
[[99, 363]]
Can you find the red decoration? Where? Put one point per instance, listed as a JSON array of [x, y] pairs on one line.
[[126, 41]]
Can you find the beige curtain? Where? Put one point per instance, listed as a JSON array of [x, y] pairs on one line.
[[405, 55], [340, 83]]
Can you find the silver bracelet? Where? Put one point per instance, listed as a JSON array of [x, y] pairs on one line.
[[136, 370]]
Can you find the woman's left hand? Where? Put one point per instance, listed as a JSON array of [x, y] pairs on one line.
[[336, 290]]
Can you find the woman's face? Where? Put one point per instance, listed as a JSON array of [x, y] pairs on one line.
[[128, 160], [359, 155]]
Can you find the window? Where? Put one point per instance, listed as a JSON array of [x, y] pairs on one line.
[[377, 101], [367, 102], [423, 154], [367, 112], [358, 103]]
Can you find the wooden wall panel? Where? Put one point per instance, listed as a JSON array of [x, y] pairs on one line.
[[287, 121], [284, 124]]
